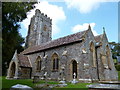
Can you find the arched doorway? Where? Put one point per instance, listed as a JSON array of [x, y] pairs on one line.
[[74, 69], [12, 70]]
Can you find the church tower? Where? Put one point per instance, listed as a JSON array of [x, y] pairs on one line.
[[40, 30]]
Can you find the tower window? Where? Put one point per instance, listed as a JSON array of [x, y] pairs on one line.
[[45, 28]]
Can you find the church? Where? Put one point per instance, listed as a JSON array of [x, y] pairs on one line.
[[87, 56]]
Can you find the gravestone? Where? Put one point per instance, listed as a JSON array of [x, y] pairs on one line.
[[20, 87], [104, 87], [36, 79]]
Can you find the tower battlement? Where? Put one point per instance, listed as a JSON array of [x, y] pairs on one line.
[[43, 16]]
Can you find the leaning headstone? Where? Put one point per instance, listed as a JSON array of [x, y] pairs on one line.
[[35, 79], [20, 87]]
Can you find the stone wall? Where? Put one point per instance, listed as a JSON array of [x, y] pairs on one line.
[[25, 73], [107, 71], [74, 51]]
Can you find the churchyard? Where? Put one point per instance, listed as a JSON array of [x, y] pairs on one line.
[[7, 84]]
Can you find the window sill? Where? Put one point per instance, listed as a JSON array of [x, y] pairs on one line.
[[55, 70], [93, 66], [38, 70]]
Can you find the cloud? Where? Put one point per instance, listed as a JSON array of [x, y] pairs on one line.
[[78, 28], [83, 6], [55, 12]]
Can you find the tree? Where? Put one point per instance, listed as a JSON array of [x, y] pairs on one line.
[[115, 47], [12, 14]]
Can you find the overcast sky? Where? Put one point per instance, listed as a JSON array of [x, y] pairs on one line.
[[71, 16]]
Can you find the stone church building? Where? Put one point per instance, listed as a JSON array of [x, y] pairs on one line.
[[82, 53]]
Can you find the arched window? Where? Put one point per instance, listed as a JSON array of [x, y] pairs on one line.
[[104, 61], [108, 56], [55, 62], [38, 63], [93, 55]]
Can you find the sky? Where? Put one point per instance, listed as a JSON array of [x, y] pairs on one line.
[[72, 16]]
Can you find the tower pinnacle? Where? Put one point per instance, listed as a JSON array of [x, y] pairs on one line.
[[89, 27], [103, 30]]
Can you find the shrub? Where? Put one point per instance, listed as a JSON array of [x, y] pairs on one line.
[[117, 67]]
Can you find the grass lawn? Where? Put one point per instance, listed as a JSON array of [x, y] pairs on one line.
[[8, 83], [119, 75], [78, 85], [0, 83]]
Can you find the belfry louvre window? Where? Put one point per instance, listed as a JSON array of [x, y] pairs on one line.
[[55, 62], [38, 64]]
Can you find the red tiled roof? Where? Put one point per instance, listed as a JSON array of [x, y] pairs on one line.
[[54, 43], [23, 60]]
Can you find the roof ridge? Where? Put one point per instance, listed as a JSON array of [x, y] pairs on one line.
[[68, 35]]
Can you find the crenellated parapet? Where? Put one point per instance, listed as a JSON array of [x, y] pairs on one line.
[[42, 16]]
